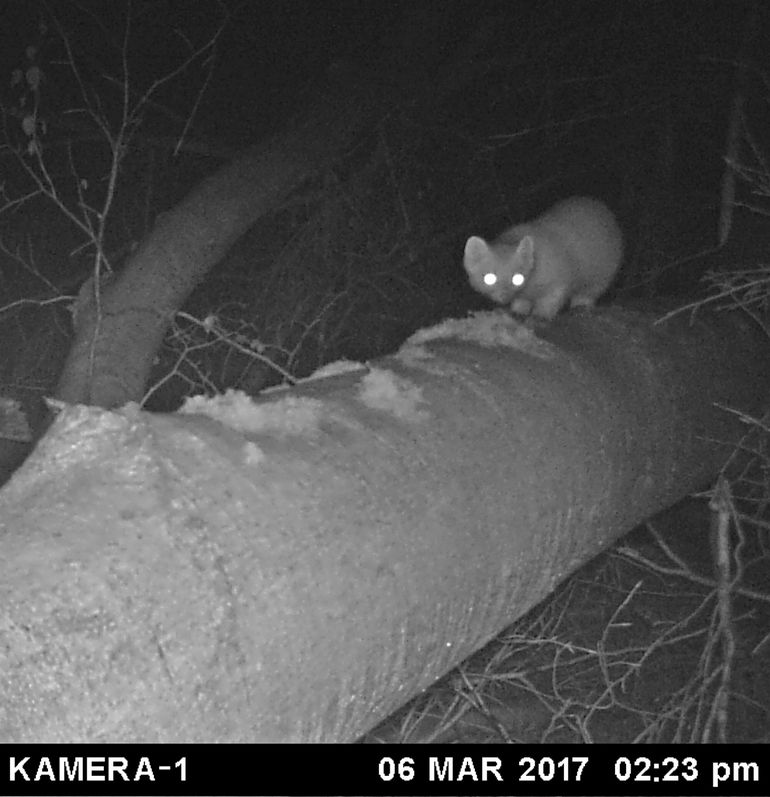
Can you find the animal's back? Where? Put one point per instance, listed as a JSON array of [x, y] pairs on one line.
[[581, 232]]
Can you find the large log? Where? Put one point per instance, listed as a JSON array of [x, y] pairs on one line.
[[297, 574]]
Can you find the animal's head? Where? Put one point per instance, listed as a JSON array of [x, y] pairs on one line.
[[499, 270]]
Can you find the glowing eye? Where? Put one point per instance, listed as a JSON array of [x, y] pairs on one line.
[[490, 278], [517, 280]]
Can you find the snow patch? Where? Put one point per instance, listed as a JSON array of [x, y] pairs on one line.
[[334, 369], [236, 409], [381, 389], [487, 328], [252, 453]]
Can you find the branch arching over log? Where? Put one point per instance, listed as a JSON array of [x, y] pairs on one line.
[[111, 356]]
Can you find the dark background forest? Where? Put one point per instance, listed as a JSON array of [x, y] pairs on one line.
[[491, 111]]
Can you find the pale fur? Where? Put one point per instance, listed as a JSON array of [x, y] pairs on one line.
[[568, 255]]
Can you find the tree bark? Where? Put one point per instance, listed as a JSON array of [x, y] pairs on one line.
[[298, 574], [113, 350]]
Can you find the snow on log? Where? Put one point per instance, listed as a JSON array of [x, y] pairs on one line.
[[295, 567]]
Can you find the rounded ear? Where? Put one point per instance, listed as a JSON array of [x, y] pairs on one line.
[[476, 250], [524, 256]]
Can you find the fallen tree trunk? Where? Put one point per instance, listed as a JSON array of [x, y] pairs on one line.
[[300, 571]]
